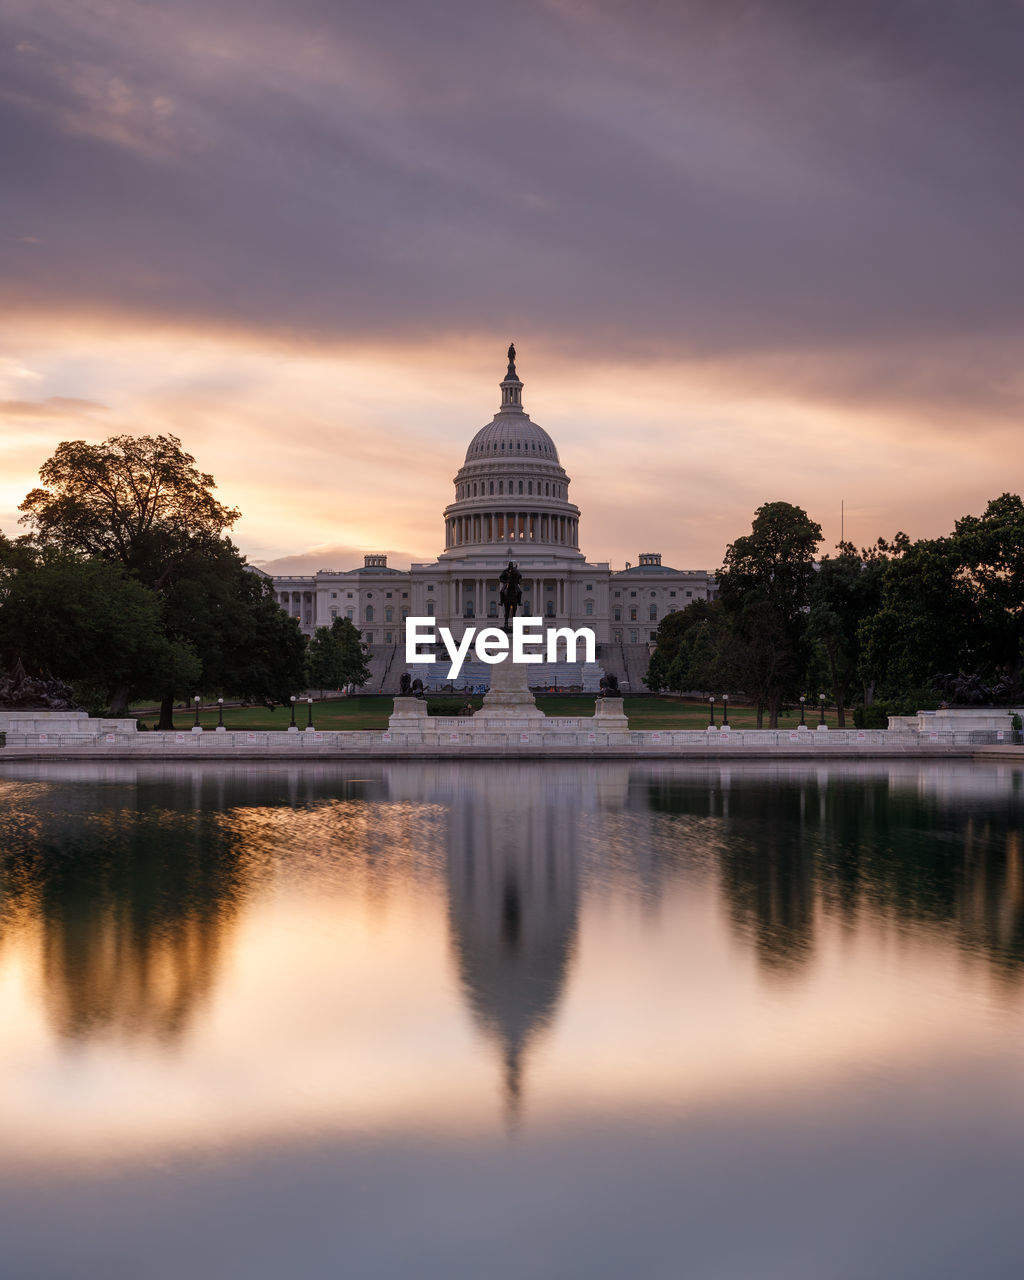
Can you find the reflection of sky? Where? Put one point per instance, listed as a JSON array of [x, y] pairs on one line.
[[337, 1006]]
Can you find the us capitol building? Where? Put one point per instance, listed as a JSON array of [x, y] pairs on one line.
[[511, 502]]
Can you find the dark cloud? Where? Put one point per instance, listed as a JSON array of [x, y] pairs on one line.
[[726, 179]]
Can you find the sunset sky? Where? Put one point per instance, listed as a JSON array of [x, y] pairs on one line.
[[747, 251]]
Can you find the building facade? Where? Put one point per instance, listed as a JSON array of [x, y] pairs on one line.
[[511, 502]]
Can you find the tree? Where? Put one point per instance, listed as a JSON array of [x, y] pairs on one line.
[[846, 589], [142, 504], [336, 657], [764, 589], [137, 499], [82, 619]]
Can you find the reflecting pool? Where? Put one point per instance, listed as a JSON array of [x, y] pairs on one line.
[[480, 1020]]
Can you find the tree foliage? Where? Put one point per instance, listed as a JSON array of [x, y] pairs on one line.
[[134, 515], [336, 657], [764, 589]]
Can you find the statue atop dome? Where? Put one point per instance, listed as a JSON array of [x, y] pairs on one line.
[[511, 361]]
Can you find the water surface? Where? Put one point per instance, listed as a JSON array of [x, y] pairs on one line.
[[511, 1021]]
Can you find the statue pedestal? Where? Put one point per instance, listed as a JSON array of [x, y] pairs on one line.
[[409, 715], [509, 696], [609, 716]]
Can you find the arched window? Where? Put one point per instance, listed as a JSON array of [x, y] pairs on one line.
[[501, 486], [529, 486], [389, 614], [349, 614], [474, 488], [405, 614], [547, 488], [369, 613], [430, 608], [632, 613], [492, 486], [654, 612], [520, 486], [617, 614]]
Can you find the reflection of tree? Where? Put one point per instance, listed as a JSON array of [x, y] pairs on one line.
[[922, 848], [133, 904]]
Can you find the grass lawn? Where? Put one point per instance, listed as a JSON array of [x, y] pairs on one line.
[[372, 711]]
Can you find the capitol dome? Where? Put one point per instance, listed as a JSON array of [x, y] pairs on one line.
[[512, 488]]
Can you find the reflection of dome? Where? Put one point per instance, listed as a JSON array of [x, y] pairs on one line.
[[514, 898]]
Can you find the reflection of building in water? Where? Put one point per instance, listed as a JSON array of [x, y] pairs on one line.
[[513, 875]]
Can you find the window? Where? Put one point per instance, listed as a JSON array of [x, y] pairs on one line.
[[672, 594], [369, 613], [632, 613], [388, 638], [430, 586], [633, 594], [617, 613], [492, 487], [389, 614], [405, 595], [334, 595], [529, 486], [492, 609], [348, 614], [654, 635], [405, 614], [369, 595], [654, 613], [468, 610], [387, 595], [526, 607], [520, 486], [430, 608], [633, 637], [550, 609], [334, 613], [653, 594], [688, 594], [617, 637], [348, 595], [590, 586], [501, 486], [617, 594], [588, 608]]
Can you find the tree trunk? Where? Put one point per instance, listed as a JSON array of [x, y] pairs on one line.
[[840, 712], [760, 715], [119, 701], [166, 714]]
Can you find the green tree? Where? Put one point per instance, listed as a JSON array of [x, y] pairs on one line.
[[142, 504], [336, 657], [80, 618], [845, 591], [764, 588]]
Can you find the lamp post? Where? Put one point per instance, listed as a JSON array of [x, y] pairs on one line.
[[821, 703], [309, 709], [725, 709], [220, 713], [197, 725], [803, 722], [293, 724], [711, 701]]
